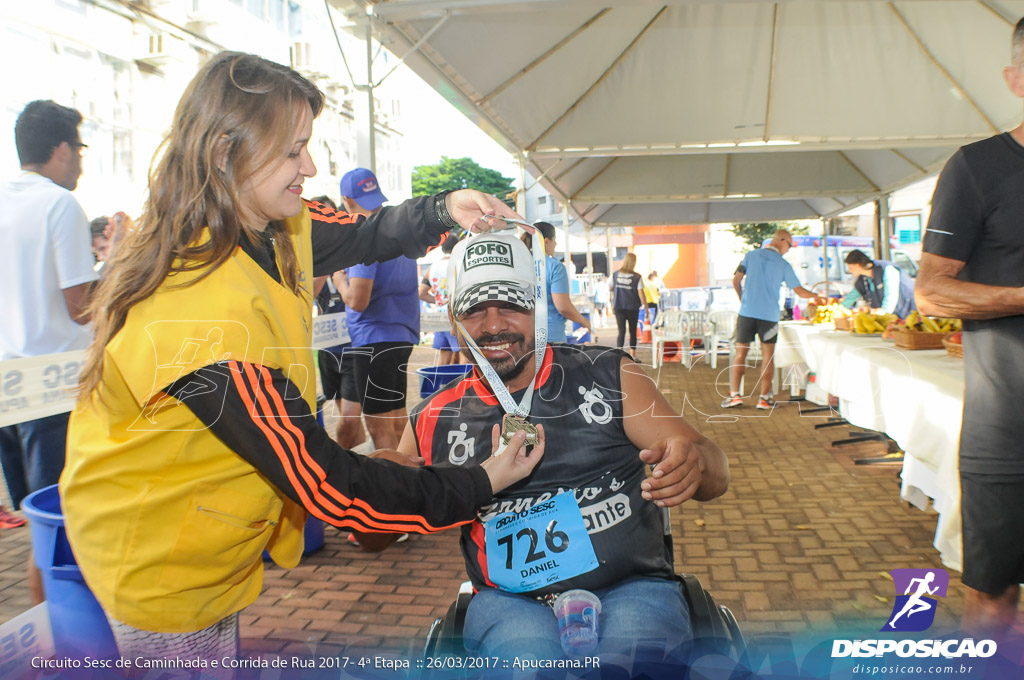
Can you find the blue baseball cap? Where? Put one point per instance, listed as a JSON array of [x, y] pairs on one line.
[[361, 186]]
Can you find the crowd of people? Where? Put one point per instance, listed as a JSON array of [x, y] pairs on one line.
[[168, 522]]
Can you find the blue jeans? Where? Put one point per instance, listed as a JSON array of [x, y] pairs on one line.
[[643, 619], [32, 454]]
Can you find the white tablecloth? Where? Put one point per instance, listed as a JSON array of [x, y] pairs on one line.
[[915, 397]]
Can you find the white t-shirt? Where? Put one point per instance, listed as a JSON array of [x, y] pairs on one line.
[[438, 277], [45, 248]]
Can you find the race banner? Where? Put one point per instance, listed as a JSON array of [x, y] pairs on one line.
[[36, 387]]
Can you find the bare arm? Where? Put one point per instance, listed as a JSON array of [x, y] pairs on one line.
[[77, 299], [737, 284], [356, 293], [565, 307], [689, 465], [426, 295], [939, 293], [804, 293]]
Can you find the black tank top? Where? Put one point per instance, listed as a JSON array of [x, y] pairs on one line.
[[579, 402]]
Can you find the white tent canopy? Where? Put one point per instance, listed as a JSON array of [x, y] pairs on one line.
[[697, 111]]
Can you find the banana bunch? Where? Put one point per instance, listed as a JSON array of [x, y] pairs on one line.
[[863, 322], [931, 324], [830, 312]]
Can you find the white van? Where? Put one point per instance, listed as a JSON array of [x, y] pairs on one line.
[[806, 256]]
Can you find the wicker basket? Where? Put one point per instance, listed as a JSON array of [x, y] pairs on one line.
[[907, 339], [844, 323], [953, 349]]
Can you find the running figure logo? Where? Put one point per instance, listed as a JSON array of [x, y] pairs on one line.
[[914, 611]]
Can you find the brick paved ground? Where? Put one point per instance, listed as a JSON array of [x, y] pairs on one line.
[[803, 539]]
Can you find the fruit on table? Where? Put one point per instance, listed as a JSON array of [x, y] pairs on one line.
[[957, 338], [931, 324], [830, 312], [864, 322]]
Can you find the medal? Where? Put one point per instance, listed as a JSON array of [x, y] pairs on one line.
[[511, 424]]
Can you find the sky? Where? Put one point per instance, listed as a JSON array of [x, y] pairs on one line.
[[435, 128]]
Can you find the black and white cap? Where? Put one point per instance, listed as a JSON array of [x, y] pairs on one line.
[[490, 267]]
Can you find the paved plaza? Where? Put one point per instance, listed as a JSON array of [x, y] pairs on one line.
[[803, 540]]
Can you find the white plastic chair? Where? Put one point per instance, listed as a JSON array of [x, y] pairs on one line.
[[722, 329], [668, 327], [696, 327]]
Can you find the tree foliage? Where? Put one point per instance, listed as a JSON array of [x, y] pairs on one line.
[[754, 233], [460, 173]]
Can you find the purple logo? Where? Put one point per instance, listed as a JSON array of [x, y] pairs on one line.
[[916, 590]]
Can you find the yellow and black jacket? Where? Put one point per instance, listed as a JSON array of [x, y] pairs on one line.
[[200, 449]]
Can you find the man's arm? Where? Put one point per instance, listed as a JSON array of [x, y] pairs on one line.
[[425, 293], [357, 293], [687, 464], [940, 293], [71, 251], [77, 299], [737, 282], [803, 292], [565, 307]]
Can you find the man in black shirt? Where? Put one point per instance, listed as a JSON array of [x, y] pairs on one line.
[[973, 268]]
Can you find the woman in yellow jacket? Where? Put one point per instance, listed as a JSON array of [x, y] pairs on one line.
[[194, 446]]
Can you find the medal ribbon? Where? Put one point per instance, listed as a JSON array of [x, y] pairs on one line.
[[540, 332]]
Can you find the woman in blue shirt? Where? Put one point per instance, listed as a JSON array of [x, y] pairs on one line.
[[560, 306]]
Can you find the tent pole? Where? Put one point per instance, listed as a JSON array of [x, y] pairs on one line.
[[590, 276], [566, 248], [883, 248], [608, 247], [824, 252], [366, 141]]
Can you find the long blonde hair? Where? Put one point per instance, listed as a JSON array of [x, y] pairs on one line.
[[235, 118], [628, 263]]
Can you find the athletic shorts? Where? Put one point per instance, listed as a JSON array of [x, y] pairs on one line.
[[337, 374], [993, 523], [380, 375], [747, 328], [446, 341]]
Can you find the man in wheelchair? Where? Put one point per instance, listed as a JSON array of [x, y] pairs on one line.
[[588, 517]]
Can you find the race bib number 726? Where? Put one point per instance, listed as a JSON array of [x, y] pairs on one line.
[[533, 548]]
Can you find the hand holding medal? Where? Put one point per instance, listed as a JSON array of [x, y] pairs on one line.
[[506, 470]]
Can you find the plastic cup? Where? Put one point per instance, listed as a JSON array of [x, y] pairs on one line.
[[577, 612]]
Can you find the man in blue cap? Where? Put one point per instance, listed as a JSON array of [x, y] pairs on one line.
[[360, 191], [382, 308]]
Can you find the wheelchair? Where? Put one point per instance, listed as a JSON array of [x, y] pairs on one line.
[[715, 629]]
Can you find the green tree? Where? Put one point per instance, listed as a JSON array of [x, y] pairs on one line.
[[754, 233], [461, 173]]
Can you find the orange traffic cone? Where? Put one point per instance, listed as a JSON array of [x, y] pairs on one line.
[[645, 336]]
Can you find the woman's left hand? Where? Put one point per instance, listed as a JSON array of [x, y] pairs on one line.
[[471, 208]]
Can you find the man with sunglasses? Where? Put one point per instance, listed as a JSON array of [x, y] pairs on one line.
[[765, 271], [46, 270]]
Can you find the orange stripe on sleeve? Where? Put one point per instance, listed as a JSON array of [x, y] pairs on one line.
[[301, 457]]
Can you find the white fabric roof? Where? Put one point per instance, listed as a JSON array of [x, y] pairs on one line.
[[699, 111]]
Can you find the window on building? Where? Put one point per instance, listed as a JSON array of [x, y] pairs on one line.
[[907, 228], [276, 8], [542, 200]]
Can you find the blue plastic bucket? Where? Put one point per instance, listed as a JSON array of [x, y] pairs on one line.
[[313, 532], [433, 378], [79, 626]]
